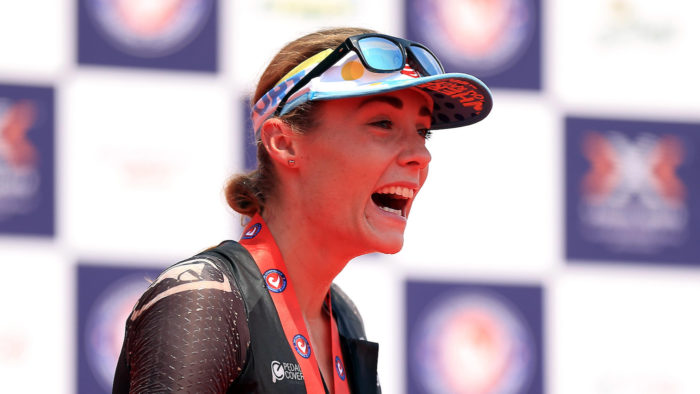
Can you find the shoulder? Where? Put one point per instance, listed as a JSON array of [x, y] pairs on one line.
[[189, 331], [198, 273]]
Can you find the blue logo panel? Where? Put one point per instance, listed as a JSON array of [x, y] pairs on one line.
[[247, 138], [27, 190], [473, 338], [106, 296], [632, 191], [499, 42], [178, 35]]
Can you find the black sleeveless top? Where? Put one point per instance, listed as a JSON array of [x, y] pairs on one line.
[[208, 324]]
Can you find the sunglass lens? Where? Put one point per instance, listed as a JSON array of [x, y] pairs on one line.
[[426, 59], [381, 53]]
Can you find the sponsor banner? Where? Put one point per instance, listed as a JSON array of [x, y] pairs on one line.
[[632, 191], [180, 34], [27, 197], [106, 297], [621, 48], [148, 162], [473, 338], [497, 41]]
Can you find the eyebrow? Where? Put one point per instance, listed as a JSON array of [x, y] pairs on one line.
[[394, 102]]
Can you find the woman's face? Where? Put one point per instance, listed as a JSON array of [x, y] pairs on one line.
[[364, 162]]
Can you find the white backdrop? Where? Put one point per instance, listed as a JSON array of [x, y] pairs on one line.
[[143, 154]]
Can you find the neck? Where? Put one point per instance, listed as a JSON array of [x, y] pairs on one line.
[[312, 263]]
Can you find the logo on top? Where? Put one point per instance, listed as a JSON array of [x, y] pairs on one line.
[[339, 368], [252, 231], [275, 280], [484, 37], [622, 169], [149, 29], [302, 346]]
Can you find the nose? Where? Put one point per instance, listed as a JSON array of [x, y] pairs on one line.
[[415, 153]]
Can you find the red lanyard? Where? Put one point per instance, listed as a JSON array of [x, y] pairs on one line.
[[261, 245]]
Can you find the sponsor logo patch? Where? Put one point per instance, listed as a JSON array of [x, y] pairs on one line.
[[285, 371], [275, 280], [339, 368], [252, 231], [302, 346]]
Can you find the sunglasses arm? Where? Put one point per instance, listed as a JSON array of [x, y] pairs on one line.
[[320, 68]]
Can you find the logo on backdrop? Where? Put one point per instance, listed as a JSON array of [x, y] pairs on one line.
[[480, 37], [149, 28], [19, 172], [473, 343], [301, 345], [288, 371], [275, 280], [105, 320], [26, 160], [629, 190], [632, 195]]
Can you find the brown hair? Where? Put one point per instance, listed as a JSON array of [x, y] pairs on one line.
[[247, 193]]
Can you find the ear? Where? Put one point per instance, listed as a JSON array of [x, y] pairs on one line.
[[279, 140]]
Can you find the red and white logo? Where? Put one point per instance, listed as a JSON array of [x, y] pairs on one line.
[[301, 345], [339, 368], [407, 70], [252, 231], [275, 280]]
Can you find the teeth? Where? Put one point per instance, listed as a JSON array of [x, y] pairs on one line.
[[397, 190], [392, 210]]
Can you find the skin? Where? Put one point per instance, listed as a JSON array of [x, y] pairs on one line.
[[358, 146]]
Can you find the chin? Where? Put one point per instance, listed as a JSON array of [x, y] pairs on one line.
[[389, 245]]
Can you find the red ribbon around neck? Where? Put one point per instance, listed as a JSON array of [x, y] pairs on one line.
[[258, 240]]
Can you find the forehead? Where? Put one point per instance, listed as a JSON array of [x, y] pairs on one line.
[[410, 99]]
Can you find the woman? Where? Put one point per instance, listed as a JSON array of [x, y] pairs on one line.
[[341, 117]]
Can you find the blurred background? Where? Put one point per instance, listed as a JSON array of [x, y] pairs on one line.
[[554, 247]]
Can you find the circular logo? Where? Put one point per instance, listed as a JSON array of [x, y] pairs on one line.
[[301, 345], [277, 371], [149, 29], [104, 326], [473, 343], [339, 368], [252, 231], [483, 37], [275, 280]]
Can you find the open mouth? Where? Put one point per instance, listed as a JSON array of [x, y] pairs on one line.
[[393, 199]]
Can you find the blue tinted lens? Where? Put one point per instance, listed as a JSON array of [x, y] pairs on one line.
[[427, 60], [381, 53]]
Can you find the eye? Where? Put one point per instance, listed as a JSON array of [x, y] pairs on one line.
[[425, 133], [383, 124]]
